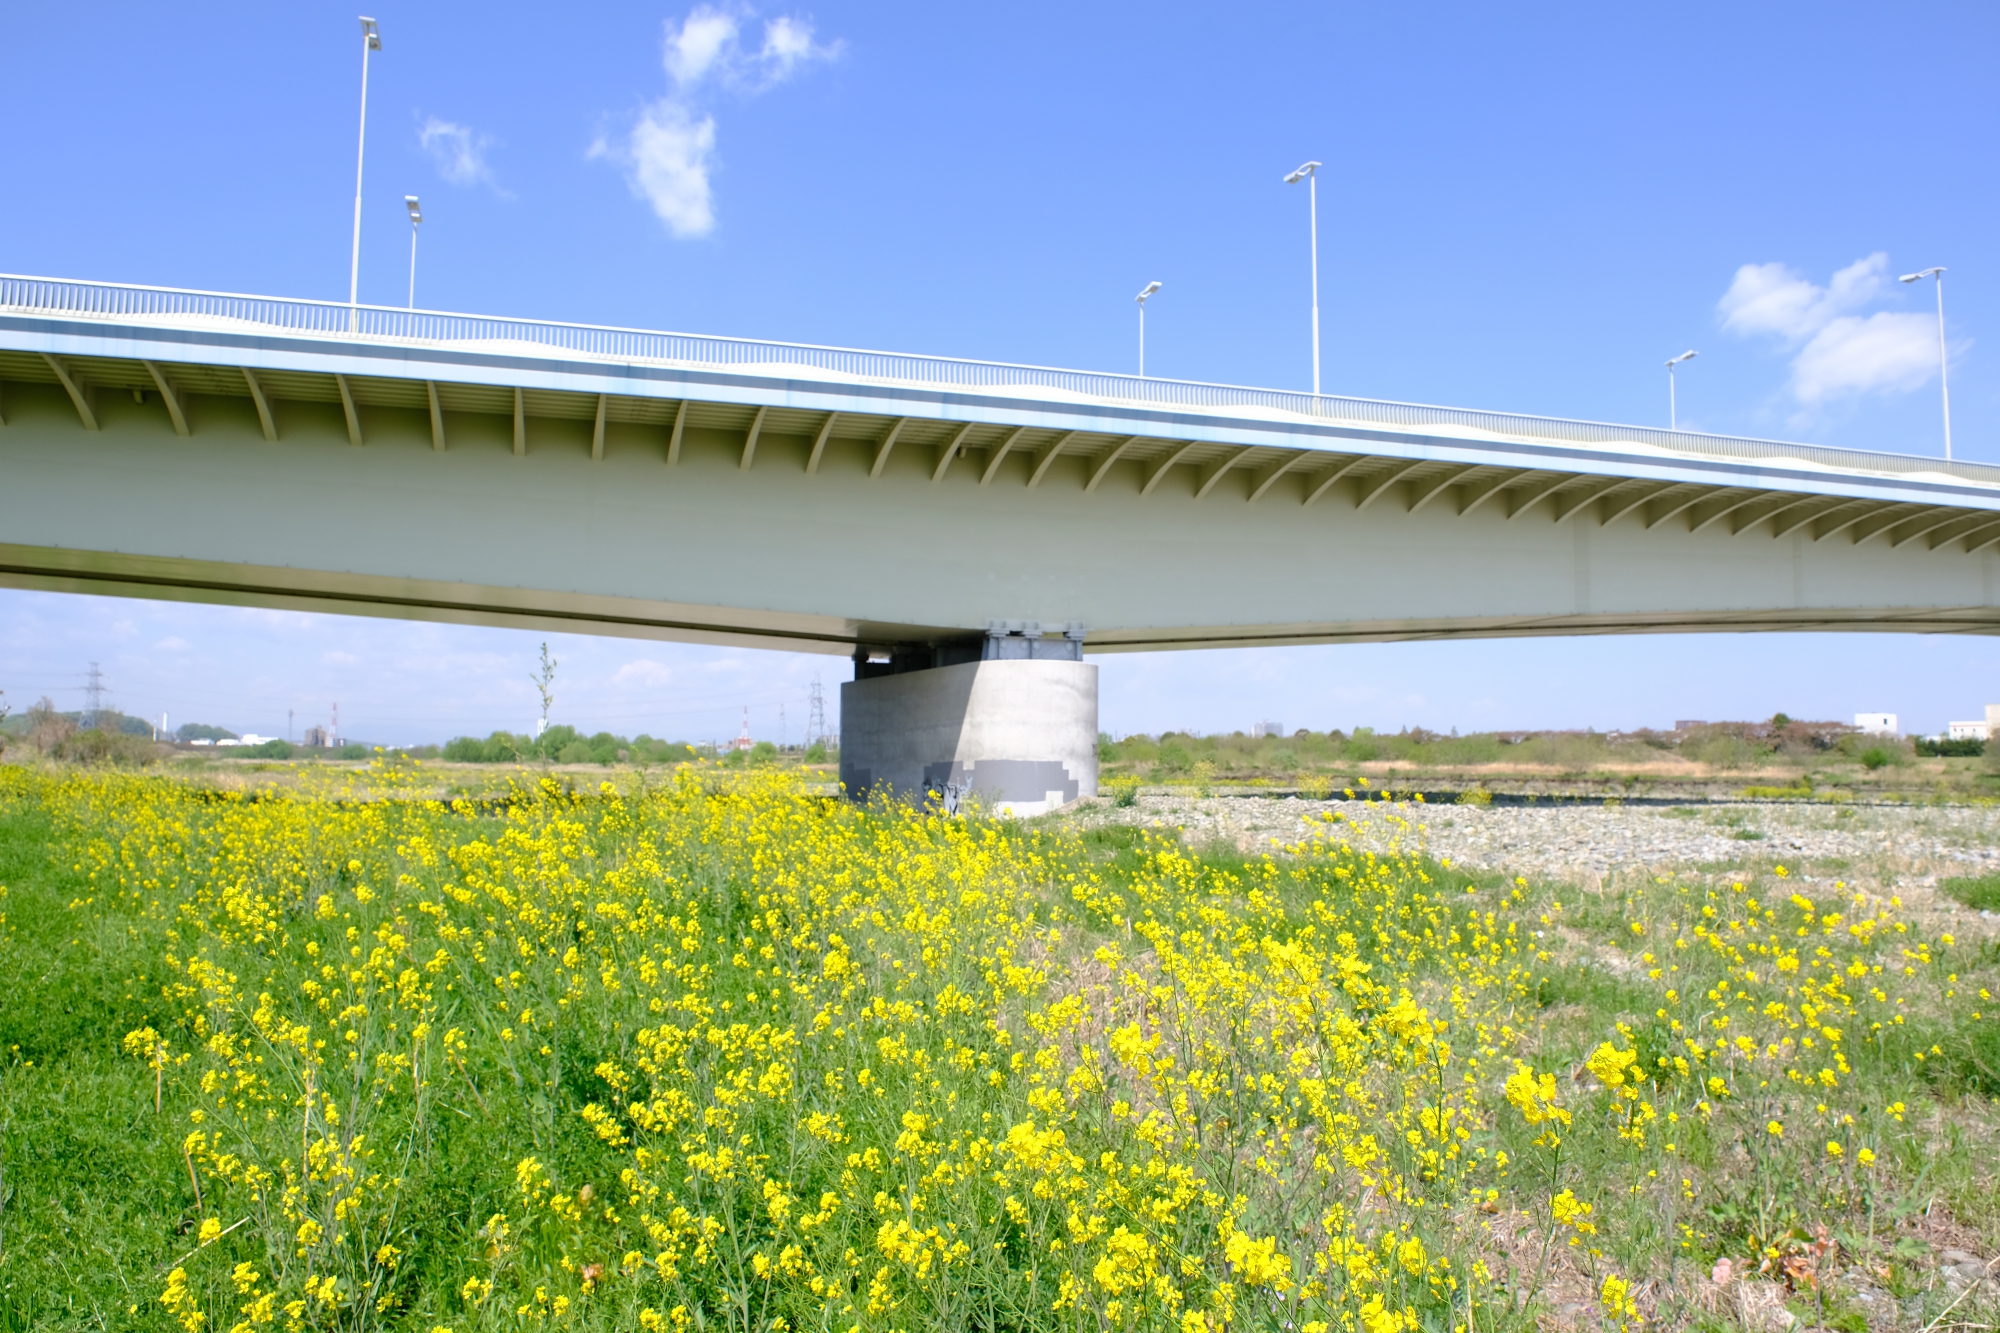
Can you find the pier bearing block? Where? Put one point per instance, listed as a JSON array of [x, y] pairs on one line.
[[1009, 721]]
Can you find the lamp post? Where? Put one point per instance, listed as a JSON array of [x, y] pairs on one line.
[[1943, 385], [1673, 413], [371, 40], [1151, 287], [1309, 173], [416, 220]]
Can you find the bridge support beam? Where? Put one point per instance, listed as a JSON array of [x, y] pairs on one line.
[[1015, 733]]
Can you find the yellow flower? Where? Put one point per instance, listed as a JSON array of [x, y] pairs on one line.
[[1611, 1065], [1257, 1262]]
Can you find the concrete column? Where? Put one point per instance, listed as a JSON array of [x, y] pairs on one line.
[[1019, 736]]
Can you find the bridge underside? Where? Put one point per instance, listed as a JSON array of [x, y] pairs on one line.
[[831, 531]]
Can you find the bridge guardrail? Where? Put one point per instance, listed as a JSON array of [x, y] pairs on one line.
[[103, 300]]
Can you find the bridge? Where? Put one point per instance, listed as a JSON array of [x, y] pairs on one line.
[[982, 521]]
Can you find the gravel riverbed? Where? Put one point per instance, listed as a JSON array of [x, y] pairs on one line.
[[1880, 847]]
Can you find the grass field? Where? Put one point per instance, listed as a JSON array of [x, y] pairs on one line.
[[714, 1052]]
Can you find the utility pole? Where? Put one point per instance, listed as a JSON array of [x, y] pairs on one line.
[[288, 725], [781, 728]]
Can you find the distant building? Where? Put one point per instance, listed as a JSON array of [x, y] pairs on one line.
[[1688, 724], [1983, 730], [1263, 729], [1877, 724], [318, 738]]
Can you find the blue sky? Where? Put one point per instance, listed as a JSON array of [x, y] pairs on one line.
[[1524, 209]]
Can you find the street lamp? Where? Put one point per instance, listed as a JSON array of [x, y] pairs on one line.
[[1938, 273], [1673, 415], [1309, 173], [416, 220], [1151, 287], [371, 40]]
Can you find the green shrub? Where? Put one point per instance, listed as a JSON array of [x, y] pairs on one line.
[[114, 748], [1124, 789], [1874, 757], [816, 753], [353, 752], [576, 752]]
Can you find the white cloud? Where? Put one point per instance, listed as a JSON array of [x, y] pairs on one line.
[[459, 152], [668, 154], [1837, 352], [706, 38], [1888, 351], [645, 671], [338, 658], [788, 43], [667, 164], [172, 645]]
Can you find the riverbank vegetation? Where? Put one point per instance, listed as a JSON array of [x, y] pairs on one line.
[[715, 1052], [1783, 754]]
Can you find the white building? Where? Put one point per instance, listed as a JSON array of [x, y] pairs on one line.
[[1976, 731], [1260, 730], [1877, 724]]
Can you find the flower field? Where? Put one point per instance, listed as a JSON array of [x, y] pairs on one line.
[[718, 1053]]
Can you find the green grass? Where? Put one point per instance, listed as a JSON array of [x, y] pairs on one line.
[[1980, 892]]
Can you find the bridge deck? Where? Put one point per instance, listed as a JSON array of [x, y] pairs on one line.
[[1090, 459]]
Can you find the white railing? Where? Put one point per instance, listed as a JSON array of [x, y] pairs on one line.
[[102, 300]]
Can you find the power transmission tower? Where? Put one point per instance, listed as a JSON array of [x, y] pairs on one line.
[[93, 698], [781, 728], [816, 720]]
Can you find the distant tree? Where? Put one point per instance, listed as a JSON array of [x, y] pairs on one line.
[[202, 731], [46, 727], [763, 752], [816, 752], [555, 740]]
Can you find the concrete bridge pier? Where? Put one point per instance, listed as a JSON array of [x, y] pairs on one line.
[[1009, 720]]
